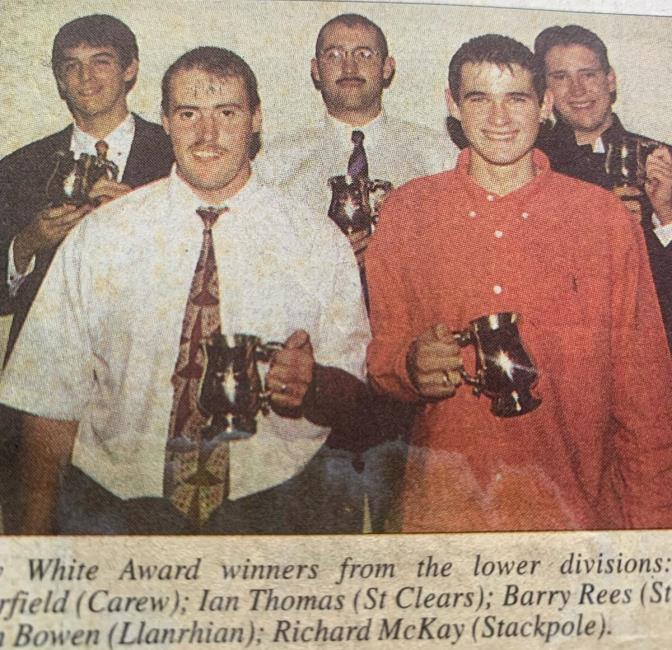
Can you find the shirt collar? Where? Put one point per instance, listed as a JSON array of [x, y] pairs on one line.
[[564, 134], [183, 200], [120, 138], [342, 131], [541, 165], [614, 131], [598, 146]]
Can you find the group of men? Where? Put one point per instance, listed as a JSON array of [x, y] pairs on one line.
[[125, 302]]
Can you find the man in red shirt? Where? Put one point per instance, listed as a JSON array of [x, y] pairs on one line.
[[504, 233]]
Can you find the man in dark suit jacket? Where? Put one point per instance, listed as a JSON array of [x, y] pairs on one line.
[[583, 85], [95, 63]]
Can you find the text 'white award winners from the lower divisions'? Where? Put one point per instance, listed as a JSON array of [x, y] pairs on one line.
[[65, 602]]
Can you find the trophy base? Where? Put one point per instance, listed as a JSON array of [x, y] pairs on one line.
[[514, 404], [225, 434]]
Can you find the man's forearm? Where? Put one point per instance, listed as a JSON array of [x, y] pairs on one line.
[[335, 398], [46, 449]]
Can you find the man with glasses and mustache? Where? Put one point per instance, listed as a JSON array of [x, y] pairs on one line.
[[583, 84], [351, 69]]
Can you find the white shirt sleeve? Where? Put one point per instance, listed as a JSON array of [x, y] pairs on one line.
[[664, 233], [50, 370], [14, 278], [344, 326]]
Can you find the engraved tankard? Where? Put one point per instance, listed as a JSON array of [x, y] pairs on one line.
[[356, 202], [504, 370], [72, 179], [231, 392], [625, 162]]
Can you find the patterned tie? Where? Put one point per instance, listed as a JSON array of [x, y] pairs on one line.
[[196, 478], [358, 167]]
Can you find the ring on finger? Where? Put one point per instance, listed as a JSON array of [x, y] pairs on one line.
[[445, 379], [283, 388]]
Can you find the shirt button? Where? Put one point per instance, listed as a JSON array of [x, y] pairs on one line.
[[490, 197], [472, 214], [525, 215], [497, 289], [499, 234]]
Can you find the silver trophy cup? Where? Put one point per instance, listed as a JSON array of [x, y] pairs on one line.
[[231, 392], [504, 370], [356, 202], [72, 178], [625, 162]]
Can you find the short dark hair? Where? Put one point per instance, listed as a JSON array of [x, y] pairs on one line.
[[97, 30], [352, 20], [500, 50], [220, 63], [571, 35]]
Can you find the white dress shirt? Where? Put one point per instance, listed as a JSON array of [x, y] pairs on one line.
[[119, 144], [118, 141], [302, 162], [100, 343]]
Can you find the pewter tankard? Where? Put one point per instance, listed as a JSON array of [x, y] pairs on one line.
[[504, 370], [231, 392], [625, 162], [356, 202], [72, 179]]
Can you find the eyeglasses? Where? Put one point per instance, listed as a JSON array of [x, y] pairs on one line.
[[338, 54]]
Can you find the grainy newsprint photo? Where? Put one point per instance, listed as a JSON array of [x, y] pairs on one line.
[[335, 324]]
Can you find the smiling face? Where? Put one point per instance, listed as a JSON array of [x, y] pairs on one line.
[[211, 126], [581, 88], [351, 72], [500, 113], [93, 82]]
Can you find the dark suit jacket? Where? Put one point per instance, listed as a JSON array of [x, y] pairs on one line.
[[23, 179], [567, 157]]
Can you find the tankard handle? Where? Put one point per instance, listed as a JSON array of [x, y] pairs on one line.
[[464, 338], [266, 350], [264, 353]]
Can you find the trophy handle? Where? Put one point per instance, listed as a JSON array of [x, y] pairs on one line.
[[266, 350], [264, 353], [651, 145], [464, 338], [55, 177]]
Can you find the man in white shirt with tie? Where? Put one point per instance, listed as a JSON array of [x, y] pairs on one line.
[[352, 68], [213, 254]]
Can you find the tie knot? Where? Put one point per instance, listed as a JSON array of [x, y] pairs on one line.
[[209, 215], [101, 149], [357, 137]]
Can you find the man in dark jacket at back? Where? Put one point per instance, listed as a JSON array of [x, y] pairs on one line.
[[583, 85], [95, 63]]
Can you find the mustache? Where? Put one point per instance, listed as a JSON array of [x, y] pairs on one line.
[[202, 145], [349, 79]]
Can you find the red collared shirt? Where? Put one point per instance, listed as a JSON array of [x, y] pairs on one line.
[[570, 260]]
